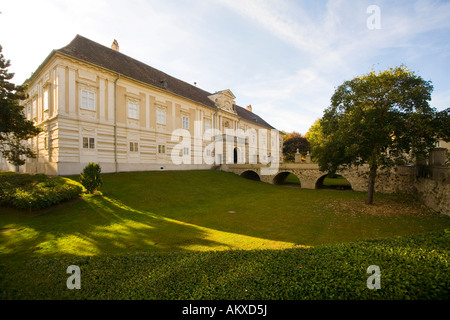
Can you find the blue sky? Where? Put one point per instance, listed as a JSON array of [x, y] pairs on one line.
[[284, 57]]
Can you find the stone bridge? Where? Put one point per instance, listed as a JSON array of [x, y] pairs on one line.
[[398, 179]]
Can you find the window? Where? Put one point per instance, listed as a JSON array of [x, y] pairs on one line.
[[186, 151], [29, 112], [88, 143], [45, 99], [34, 108], [46, 138], [207, 125], [161, 116], [161, 149], [88, 100], [185, 122], [134, 147], [133, 110]]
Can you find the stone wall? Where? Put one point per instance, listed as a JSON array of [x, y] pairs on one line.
[[434, 194], [433, 191]]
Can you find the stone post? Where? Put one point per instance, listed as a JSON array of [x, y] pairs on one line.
[[437, 157], [308, 157], [298, 157]]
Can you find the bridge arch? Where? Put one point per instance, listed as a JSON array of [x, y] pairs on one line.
[[286, 178], [333, 181], [251, 175]]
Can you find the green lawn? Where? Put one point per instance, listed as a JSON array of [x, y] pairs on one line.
[[292, 179], [192, 219], [336, 181]]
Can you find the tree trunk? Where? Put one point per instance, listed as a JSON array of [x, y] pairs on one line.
[[371, 187]]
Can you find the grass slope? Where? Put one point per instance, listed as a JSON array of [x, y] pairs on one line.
[[168, 235], [208, 210]]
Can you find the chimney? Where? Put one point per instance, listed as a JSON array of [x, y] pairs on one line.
[[249, 107], [115, 45]]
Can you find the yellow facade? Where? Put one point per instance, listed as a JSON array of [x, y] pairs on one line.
[[89, 113]]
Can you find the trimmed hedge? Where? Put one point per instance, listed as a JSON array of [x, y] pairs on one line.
[[28, 192], [412, 268]]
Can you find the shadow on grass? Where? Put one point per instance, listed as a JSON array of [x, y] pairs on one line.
[[98, 225], [202, 211]]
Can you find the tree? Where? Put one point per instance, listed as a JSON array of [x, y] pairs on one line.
[[377, 119], [15, 129], [315, 138], [442, 123], [292, 142]]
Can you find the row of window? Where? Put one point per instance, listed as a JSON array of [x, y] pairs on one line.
[[89, 143], [88, 103], [31, 110]]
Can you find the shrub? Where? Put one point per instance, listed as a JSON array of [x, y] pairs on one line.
[[24, 191], [90, 177]]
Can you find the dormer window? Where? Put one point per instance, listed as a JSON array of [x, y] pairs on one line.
[[224, 100]]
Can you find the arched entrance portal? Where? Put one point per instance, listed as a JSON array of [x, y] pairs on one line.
[[251, 175], [286, 178], [334, 182]]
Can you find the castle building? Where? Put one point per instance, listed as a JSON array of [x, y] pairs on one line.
[[96, 104]]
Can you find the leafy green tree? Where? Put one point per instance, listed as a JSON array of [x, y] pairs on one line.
[[442, 123], [293, 141], [90, 177], [377, 119], [15, 129]]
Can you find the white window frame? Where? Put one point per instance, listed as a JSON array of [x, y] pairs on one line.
[[29, 115], [133, 109], [46, 99], [160, 116], [87, 99], [185, 122], [88, 143], [186, 151], [34, 108], [207, 125]]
